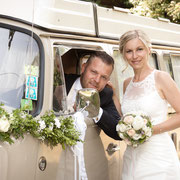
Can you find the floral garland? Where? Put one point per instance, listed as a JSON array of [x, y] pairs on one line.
[[48, 128]]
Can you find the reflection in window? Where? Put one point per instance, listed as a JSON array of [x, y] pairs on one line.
[[18, 51], [153, 61], [67, 60], [175, 58], [168, 64], [121, 72], [59, 91]]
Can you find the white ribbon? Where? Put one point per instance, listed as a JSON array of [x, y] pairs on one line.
[[78, 149]]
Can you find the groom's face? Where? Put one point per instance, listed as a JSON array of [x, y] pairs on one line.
[[96, 74]]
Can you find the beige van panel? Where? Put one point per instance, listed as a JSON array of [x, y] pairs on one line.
[[113, 23], [62, 15]]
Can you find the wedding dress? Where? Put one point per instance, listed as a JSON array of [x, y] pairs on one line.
[[157, 158]]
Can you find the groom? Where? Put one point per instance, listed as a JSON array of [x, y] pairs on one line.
[[95, 74]]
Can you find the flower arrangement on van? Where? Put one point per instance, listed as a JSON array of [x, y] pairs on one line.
[[48, 128], [135, 128]]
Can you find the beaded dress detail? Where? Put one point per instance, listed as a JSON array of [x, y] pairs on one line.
[[156, 158]]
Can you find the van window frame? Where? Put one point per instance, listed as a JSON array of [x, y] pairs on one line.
[[40, 96], [173, 70], [78, 68]]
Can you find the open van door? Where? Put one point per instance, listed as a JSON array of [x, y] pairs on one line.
[[101, 153]]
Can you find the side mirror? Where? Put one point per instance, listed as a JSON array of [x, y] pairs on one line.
[[88, 100]]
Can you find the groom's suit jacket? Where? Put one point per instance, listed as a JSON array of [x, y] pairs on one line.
[[110, 116]]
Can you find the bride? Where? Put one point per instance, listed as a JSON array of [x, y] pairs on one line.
[[150, 91]]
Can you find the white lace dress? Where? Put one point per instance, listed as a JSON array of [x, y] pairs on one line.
[[156, 158]]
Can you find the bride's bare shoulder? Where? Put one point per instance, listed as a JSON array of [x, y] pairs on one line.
[[164, 81], [162, 77]]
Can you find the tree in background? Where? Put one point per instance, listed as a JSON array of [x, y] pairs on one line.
[[157, 8], [169, 9], [111, 3]]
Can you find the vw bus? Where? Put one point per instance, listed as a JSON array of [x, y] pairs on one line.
[[47, 35]]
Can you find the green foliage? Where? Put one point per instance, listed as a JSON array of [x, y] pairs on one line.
[[64, 134], [110, 4], [174, 11], [48, 128], [169, 9], [158, 8]]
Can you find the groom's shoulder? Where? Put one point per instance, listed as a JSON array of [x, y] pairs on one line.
[[106, 92]]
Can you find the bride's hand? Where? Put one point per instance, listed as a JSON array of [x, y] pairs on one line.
[[110, 85]]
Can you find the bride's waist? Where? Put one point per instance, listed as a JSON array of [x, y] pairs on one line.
[[162, 141]]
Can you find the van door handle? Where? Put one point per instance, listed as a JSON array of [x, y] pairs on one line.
[[112, 148]]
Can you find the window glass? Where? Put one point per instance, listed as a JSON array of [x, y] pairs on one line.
[[59, 90], [121, 72], [168, 64], [19, 69], [153, 61], [67, 61], [176, 67]]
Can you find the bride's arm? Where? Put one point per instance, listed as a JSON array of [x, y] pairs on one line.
[[171, 93]]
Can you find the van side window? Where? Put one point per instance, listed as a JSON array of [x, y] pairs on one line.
[[120, 73], [175, 58], [19, 69], [153, 61], [168, 64], [67, 60]]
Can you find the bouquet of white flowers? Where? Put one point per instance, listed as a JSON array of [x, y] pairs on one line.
[[134, 128]]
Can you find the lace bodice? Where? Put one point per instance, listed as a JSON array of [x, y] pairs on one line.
[[143, 96]]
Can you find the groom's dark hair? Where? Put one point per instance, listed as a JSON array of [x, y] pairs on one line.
[[106, 58]]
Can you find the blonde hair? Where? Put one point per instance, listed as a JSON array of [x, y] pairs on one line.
[[129, 35]]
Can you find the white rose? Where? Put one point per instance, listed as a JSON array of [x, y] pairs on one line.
[[4, 124], [122, 127], [42, 125], [121, 135], [131, 132], [128, 119], [137, 136], [145, 121], [57, 122], [147, 131], [117, 127], [138, 123]]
